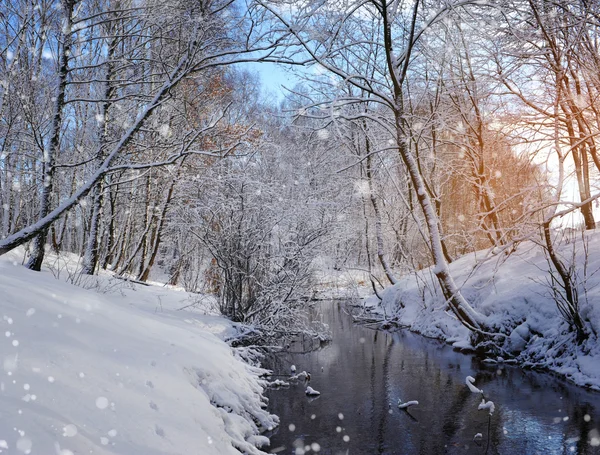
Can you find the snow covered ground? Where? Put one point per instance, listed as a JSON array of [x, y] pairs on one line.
[[513, 293], [350, 284], [119, 369]]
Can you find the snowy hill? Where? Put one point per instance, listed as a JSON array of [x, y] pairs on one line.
[[119, 372], [514, 294]]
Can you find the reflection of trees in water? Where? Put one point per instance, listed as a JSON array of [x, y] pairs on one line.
[[383, 407], [454, 411], [306, 344], [580, 428]]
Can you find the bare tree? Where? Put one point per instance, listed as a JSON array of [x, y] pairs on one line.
[[159, 45], [333, 38]]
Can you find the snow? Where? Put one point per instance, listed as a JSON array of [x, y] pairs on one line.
[[408, 404], [336, 283], [303, 375], [120, 372], [470, 381], [312, 392], [486, 405], [512, 295]]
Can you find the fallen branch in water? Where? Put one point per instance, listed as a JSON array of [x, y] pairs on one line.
[[382, 323]]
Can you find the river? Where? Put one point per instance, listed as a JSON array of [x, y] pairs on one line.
[[363, 373]]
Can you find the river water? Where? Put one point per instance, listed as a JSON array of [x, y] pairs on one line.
[[363, 373]]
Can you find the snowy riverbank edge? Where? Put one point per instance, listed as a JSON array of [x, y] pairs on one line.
[[513, 294], [120, 369]]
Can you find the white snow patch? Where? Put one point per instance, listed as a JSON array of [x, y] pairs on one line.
[[510, 295], [202, 398], [486, 405], [408, 404], [470, 381], [312, 392]]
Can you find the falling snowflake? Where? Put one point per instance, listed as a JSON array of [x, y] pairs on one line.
[[102, 402], [69, 431], [24, 445]]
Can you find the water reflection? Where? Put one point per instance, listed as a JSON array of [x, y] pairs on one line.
[[363, 373]]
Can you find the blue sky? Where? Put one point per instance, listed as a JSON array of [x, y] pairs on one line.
[[273, 77]]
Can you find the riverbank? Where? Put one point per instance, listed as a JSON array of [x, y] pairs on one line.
[[120, 368], [515, 296]]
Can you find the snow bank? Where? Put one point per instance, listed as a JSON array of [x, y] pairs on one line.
[[512, 293], [122, 372]]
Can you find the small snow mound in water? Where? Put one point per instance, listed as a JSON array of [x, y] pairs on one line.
[[302, 375], [312, 392], [408, 404], [489, 405], [470, 381]]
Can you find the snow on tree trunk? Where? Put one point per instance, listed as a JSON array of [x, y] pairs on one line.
[[49, 158], [456, 302], [90, 258], [143, 276], [29, 232]]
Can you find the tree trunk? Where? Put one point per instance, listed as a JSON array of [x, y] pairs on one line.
[[456, 302], [90, 259], [159, 229], [378, 230], [39, 243], [569, 308]]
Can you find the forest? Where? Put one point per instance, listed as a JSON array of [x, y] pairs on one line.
[[440, 155], [132, 134]]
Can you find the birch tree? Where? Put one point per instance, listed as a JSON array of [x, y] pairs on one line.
[[333, 37], [162, 45]]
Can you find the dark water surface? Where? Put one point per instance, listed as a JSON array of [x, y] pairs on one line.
[[363, 373]]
